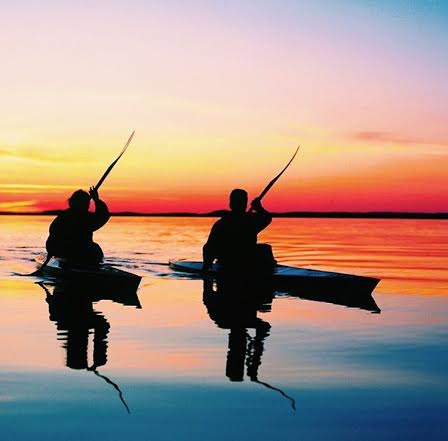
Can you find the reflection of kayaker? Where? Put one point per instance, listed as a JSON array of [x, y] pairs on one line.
[[71, 233], [70, 306], [233, 238], [72, 311], [234, 305]]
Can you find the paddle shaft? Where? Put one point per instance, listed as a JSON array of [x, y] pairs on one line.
[[106, 173], [273, 181]]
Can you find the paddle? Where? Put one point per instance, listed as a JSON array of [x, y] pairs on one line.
[[269, 186], [97, 186]]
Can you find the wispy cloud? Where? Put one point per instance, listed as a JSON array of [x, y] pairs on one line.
[[19, 206], [33, 188], [45, 189], [393, 138], [41, 155]]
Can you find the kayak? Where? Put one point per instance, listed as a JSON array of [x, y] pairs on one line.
[[101, 275], [283, 275], [331, 287]]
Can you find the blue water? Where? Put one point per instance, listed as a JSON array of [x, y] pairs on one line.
[[323, 371]]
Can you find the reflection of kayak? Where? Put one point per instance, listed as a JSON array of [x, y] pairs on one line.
[[101, 275], [339, 288], [76, 293]]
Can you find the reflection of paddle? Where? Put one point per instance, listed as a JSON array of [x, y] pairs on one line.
[[97, 186], [109, 381], [293, 402], [254, 375], [269, 186]]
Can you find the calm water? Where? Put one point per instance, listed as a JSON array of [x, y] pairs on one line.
[[301, 369]]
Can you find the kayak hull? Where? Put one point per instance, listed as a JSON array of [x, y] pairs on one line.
[[283, 275], [100, 276], [331, 287]]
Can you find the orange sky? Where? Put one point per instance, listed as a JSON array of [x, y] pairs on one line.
[[219, 98]]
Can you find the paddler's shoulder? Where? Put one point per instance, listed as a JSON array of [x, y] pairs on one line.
[[225, 219], [224, 214], [63, 213]]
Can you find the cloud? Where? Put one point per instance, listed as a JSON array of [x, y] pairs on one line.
[[33, 188], [392, 138], [41, 155], [54, 188], [18, 206]]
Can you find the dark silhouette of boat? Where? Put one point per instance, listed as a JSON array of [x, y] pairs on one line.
[[97, 276], [324, 286]]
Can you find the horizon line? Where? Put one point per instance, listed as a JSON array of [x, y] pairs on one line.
[[287, 214]]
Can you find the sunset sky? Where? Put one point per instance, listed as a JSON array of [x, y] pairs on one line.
[[220, 94]]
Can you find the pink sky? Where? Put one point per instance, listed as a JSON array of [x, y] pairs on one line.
[[220, 95]]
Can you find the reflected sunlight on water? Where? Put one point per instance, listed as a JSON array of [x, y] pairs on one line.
[[225, 370], [410, 256]]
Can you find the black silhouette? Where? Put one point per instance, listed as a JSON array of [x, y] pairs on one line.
[[234, 305], [233, 238], [63, 240], [70, 306], [71, 233], [360, 299]]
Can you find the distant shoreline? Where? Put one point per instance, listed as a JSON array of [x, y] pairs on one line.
[[292, 214]]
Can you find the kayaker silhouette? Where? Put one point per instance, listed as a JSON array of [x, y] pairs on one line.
[[64, 233], [233, 238], [71, 233]]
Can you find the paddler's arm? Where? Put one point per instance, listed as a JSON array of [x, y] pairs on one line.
[[209, 250], [56, 235], [56, 225], [262, 216], [101, 214]]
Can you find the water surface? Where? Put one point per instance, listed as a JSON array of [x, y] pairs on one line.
[[189, 367]]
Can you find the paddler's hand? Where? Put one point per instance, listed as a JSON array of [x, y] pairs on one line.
[[256, 205], [94, 194]]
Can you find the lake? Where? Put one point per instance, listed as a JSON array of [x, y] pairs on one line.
[[171, 368]]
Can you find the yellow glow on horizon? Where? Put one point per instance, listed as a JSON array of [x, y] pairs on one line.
[[19, 206]]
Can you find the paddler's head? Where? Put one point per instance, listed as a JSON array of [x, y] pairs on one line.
[[79, 201], [238, 201]]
